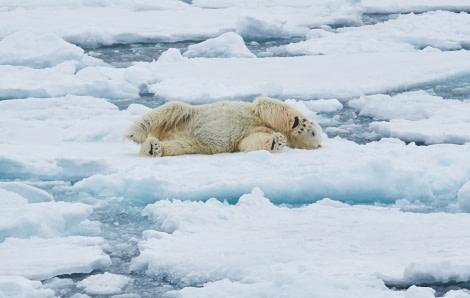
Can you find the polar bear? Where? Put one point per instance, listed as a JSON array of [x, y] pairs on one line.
[[177, 128]]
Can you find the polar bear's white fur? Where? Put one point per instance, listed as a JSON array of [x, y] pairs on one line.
[[177, 128]]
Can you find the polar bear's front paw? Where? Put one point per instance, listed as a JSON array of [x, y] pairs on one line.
[[151, 147], [301, 126], [278, 143]]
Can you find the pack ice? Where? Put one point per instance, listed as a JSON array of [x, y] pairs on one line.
[[381, 210]]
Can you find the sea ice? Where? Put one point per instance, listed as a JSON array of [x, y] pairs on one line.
[[440, 30], [227, 45], [39, 259], [334, 249], [87, 23], [394, 6], [104, 284], [71, 192], [37, 50], [62, 80], [417, 117], [74, 143], [324, 105], [202, 80], [32, 194], [48, 219], [17, 286]]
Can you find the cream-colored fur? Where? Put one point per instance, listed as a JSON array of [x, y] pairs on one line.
[[177, 128]]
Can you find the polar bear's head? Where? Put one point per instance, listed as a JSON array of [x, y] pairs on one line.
[[300, 131]]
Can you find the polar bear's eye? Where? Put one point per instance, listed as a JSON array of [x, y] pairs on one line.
[[296, 122]]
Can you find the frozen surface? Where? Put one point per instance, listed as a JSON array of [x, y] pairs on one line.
[[381, 210], [21, 49], [49, 219], [104, 284], [30, 193], [81, 131], [101, 23], [391, 6], [432, 31], [278, 249], [17, 286], [227, 45], [329, 76], [414, 116], [39, 259]]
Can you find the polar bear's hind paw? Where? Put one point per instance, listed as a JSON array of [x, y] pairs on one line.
[[151, 147]]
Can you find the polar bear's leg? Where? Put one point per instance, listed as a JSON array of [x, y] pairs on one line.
[[180, 147], [156, 148], [159, 120], [273, 142], [281, 116]]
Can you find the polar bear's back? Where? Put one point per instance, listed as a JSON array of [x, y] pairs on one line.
[[222, 125]]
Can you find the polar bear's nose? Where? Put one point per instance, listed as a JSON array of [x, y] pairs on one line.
[[313, 133]]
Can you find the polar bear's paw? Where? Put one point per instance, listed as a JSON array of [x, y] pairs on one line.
[[279, 142], [151, 147], [302, 126]]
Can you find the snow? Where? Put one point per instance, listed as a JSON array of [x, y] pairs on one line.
[[39, 258], [329, 76], [435, 30], [419, 292], [32, 194], [385, 202], [413, 116], [21, 49], [227, 45], [324, 105], [280, 248], [393, 6], [48, 219], [169, 21], [383, 172], [104, 284], [17, 286]]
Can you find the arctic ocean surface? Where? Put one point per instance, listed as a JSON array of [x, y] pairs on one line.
[[381, 210]]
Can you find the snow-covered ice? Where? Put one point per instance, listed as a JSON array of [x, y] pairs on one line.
[[257, 248], [381, 210], [326, 76], [17, 286], [414, 117], [227, 45], [104, 284], [437, 30], [39, 258]]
